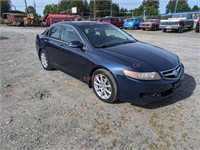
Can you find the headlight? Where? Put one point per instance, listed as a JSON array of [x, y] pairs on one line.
[[142, 75]]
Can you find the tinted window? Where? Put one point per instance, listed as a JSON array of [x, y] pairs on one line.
[[55, 32], [69, 34], [112, 19], [130, 20]]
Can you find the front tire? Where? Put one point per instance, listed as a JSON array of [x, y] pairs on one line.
[[180, 30], [135, 27], [44, 60], [104, 86], [164, 30]]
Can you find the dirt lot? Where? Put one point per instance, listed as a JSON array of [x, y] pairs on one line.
[[51, 110]]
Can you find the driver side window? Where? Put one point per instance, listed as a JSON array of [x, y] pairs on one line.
[[69, 34]]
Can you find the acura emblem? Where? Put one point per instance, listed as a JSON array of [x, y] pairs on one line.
[[175, 72]]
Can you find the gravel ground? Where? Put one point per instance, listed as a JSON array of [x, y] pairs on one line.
[[50, 110]]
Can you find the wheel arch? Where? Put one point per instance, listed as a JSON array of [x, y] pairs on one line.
[[96, 68]]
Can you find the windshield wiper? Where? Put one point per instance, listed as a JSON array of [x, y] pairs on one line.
[[125, 42], [107, 45], [115, 44]]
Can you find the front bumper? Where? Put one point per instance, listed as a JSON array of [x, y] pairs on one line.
[[143, 92], [170, 27], [128, 26]]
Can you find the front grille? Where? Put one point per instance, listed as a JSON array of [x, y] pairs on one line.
[[172, 73], [168, 23]]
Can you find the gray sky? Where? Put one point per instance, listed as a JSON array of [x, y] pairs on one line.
[[129, 4]]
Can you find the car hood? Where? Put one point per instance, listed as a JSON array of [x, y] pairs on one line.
[[149, 23], [146, 56]]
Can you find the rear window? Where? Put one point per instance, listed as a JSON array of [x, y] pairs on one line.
[[130, 20], [55, 32]]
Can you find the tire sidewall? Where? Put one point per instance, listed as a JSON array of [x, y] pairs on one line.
[[48, 65], [112, 81]]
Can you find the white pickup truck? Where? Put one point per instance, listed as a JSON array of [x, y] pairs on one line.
[[176, 22]]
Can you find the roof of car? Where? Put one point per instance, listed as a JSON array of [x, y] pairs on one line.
[[82, 23]]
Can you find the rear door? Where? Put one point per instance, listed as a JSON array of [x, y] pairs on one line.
[[53, 42]]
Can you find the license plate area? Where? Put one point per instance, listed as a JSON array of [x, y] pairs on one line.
[[177, 84]]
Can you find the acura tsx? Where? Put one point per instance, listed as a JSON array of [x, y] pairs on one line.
[[116, 65]]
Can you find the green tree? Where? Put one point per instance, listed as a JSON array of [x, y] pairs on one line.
[[31, 9], [195, 7], [66, 6], [115, 10], [51, 9], [184, 7], [150, 6], [5, 6], [86, 10], [172, 4], [103, 8]]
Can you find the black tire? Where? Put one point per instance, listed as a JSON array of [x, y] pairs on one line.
[[191, 27], [143, 29], [180, 30], [155, 28], [110, 82], [164, 30], [44, 54], [135, 27]]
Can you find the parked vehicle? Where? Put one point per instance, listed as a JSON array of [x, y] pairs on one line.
[[197, 26], [50, 19], [32, 20], [151, 24], [118, 22], [110, 61], [14, 19], [177, 22], [133, 23]]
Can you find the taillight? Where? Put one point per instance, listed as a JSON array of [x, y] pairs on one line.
[[179, 22]]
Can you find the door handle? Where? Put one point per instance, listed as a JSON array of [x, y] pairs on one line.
[[61, 46]]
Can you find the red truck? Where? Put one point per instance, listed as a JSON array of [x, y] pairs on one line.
[[152, 24], [117, 21], [50, 19]]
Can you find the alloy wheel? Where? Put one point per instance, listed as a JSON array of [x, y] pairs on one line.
[[102, 86]]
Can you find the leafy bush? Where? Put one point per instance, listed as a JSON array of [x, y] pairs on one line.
[[1, 20]]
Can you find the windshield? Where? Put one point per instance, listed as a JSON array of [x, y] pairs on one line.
[[106, 35], [130, 20], [165, 17], [179, 16], [149, 20]]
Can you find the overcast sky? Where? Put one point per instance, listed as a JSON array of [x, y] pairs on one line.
[[129, 4]]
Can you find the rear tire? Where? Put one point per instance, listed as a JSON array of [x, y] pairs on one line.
[[164, 30], [104, 86], [135, 27], [191, 27], [44, 60]]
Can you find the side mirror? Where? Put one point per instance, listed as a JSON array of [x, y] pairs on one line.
[[76, 44]]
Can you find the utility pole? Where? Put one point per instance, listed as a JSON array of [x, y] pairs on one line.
[[26, 6], [176, 5], [34, 4], [111, 8], [94, 5]]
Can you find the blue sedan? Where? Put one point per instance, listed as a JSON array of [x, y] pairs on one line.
[[113, 63], [133, 23]]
